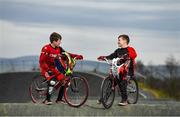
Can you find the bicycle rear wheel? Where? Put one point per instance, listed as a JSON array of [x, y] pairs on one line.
[[132, 91], [38, 89], [76, 91], [107, 92]]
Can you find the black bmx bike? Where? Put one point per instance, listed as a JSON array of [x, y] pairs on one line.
[[109, 85]]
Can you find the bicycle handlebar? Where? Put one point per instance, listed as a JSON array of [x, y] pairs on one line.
[[59, 57], [115, 60]]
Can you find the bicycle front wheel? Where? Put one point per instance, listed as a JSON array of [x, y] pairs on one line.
[[76, 91], [107, 92]]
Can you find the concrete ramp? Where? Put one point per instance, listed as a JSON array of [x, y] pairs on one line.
[[14, 87], [15, 100]]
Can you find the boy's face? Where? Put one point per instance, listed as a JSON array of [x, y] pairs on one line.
[[57, 43], [121, 42]]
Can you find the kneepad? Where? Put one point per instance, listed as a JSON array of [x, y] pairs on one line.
[[52, 82]]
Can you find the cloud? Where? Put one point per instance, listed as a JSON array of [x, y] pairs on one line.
[[129, 5], [140, 15], [91, 27], [28, 39]]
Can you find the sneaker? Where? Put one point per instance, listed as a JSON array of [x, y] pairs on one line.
[[123, 103], [60, 101], [48, 102]]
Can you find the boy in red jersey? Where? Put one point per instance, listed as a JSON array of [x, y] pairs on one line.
[[48, 66]]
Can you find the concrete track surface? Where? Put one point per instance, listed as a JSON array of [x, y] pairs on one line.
[[15, 100]]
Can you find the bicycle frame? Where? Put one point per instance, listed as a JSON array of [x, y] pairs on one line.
[[59, 84], [113, 71], [114, 74], [66, 78]]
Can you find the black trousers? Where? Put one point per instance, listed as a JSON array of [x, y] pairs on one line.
[[61, 93], [122, 83], [50, 87]]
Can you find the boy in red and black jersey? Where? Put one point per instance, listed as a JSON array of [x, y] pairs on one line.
[[124, 49]]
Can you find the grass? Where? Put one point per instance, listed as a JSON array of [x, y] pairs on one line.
[[158, 94]]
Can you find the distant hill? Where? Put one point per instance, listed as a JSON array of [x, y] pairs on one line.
[[29, 63], [23, 58], [18, 64]]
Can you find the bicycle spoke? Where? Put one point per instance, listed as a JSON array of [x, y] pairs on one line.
[[38, 89], [76, 93], [132, 90], [108, 93]]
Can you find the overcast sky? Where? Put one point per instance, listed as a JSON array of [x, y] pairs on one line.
[[91, 27]]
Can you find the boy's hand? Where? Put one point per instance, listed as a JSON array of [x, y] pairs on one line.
[[79, 57], [101, 57], [47, 76]]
